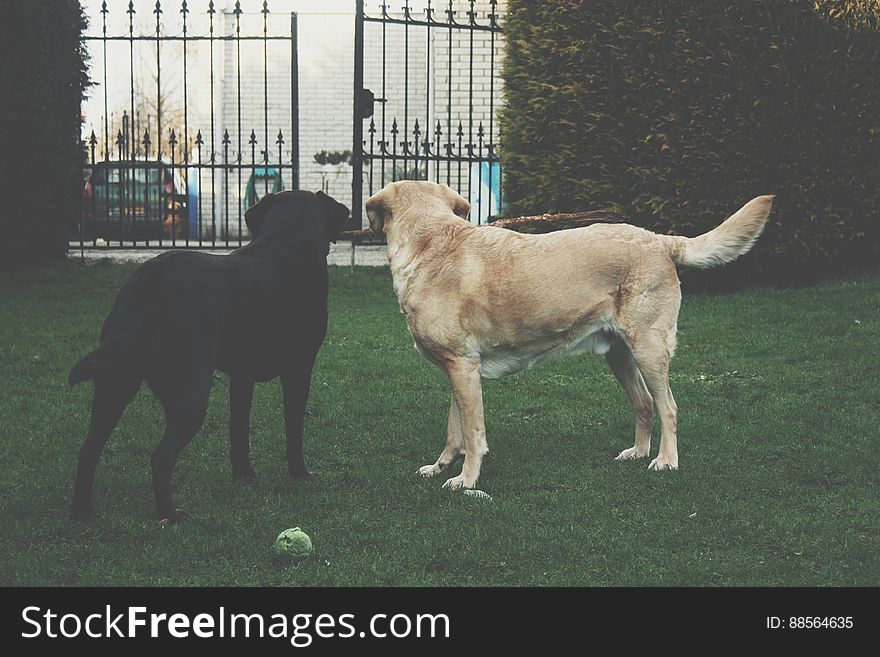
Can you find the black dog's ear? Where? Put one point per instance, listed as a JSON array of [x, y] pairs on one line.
[[335, 213], [255, 216]]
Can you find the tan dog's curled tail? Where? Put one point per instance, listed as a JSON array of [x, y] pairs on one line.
[[728, 241]]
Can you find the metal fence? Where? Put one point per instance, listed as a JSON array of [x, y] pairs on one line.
[[168, 174], [195, 113], [453, 136]]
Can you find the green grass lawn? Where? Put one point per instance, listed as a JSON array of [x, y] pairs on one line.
[[779, 400]]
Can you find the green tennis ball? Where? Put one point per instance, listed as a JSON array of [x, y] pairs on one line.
[[293, 544]]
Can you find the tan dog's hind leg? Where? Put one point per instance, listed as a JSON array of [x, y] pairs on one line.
[[624, 367], [652, 355], [454, 444], [464, 377]]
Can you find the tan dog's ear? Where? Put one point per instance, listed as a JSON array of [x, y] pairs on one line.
[[457, 203], [378, 208]]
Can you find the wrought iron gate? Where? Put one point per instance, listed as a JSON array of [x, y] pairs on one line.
[[437, 89], [196, 113], [180, 150]]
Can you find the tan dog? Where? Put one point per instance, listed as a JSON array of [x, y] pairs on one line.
[[486, 301]]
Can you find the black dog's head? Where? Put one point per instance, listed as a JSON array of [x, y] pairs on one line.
[[262, 221]]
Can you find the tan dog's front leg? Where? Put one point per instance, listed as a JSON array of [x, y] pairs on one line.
[[467, 390], [454, 444]]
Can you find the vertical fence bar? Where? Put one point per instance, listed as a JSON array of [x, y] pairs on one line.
[[131, 12], [372, 132], [405, 145], [480, 174], [458, 157], [163, 202], [119, 188], [106, 111], [82, 220], [226, 185], [491, 150], [172, 210], [253, 144], [280, 142], [237, 12], [128, 133], [451, 21], [199, 141], [213, 158], [438, 138], [394, 133], [416, 133], [357, 158], [265, 12], [294, 101], [429, 12], [472, 15], [184, 11], [148, 183], [384, 137]]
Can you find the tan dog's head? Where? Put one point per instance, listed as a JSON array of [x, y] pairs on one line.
[[396, 198]]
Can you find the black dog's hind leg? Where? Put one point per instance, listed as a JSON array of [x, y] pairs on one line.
[[241, 393], [185, 403], [109, 401], [295, 386]]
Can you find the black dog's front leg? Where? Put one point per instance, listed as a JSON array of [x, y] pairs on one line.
[[295, 386], [241, 393]]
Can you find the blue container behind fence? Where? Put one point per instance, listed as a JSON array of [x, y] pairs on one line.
[[192, 203]]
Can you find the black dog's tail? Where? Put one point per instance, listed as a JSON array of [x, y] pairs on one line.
[[120, 338], [84, 370]]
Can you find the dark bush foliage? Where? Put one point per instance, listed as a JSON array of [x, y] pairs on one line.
[[43, 77], [676, 113]]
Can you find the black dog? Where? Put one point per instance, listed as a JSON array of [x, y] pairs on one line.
[[257, 313]]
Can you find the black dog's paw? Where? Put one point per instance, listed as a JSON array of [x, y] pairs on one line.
[[302, 475], [244, 473], [82, 512], [172, 518]]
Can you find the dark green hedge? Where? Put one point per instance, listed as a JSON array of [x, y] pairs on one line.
[[43, 77], [675, 113]]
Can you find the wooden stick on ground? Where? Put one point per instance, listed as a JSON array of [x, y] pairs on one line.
[[539, 223]]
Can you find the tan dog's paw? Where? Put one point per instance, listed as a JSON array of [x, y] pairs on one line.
[[663, 463], [630, 454], [459, 482], [429, 470]]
